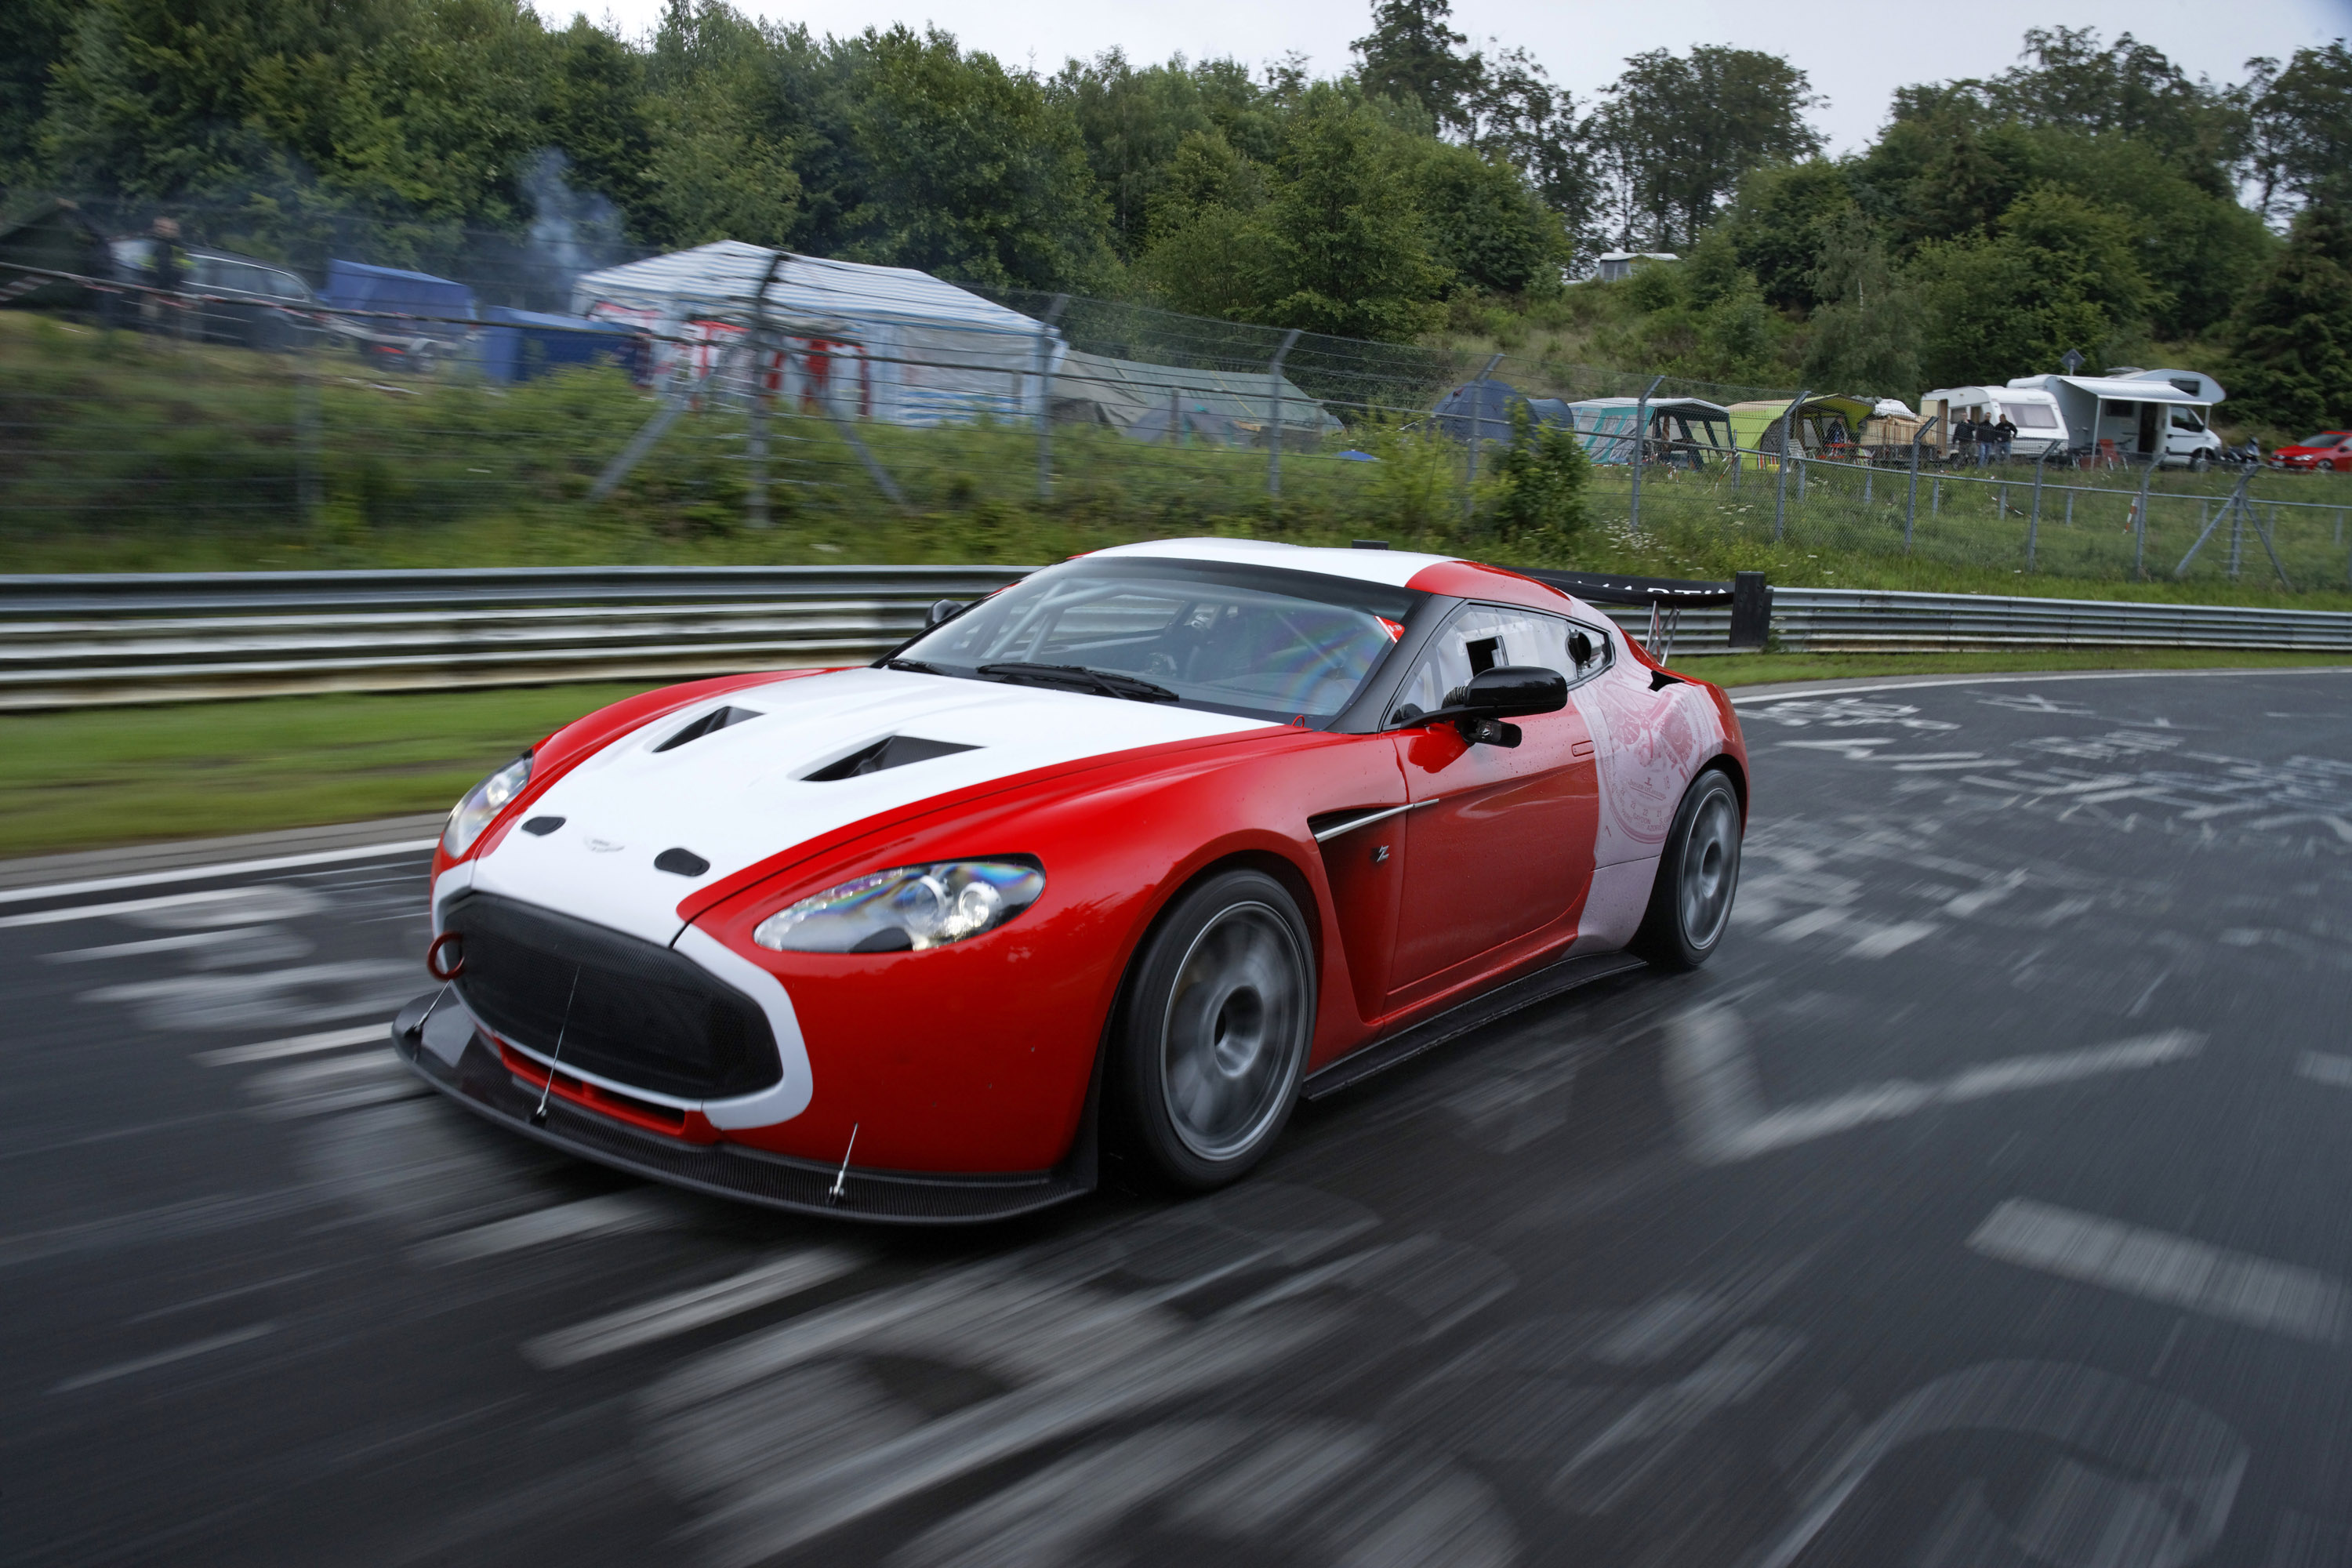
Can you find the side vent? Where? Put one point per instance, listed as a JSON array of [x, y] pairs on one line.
[[1659, 681], [710, 724], [891, 751]]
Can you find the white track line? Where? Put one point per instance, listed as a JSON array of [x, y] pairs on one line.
[[689, 1309], [588, 1216], [294, 1046], [1839, 689], [165, 1358], [2320, 1067], [227, 869], [2158, 1266], [214, 938]]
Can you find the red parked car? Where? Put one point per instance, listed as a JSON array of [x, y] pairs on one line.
[[2330, 449], [1153, 842]]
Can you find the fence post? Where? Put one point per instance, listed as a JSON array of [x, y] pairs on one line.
[[1911, 508], [309, 487], [1045, 396], [2033, 524], [1780, 495], [1273, 415], [755, 499], [1641, 437], [2139, 521], [1477, 429], [2070, 506]]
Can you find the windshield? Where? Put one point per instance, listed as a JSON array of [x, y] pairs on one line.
[[1261, 643], [2325, 440]]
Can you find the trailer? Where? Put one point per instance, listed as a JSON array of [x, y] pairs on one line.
[[2136, 416]]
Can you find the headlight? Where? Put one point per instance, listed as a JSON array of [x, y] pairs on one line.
[[483, 802], [913, 907]]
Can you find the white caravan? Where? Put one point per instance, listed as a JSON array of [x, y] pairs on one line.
[[2040, 429], [2135, 414]]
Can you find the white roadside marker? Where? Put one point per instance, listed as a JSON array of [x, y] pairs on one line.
[[2158, 1266], [295, 1045], [610, 1213], [689, 1309]]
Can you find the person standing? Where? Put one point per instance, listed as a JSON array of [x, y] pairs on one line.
[[2005, 433]]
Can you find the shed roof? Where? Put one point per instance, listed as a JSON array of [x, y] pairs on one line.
[[724, 277], [1128, 390]]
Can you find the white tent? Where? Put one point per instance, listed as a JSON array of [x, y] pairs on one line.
[[883, 343]]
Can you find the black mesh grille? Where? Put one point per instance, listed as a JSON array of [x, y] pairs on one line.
[[640, 1014]]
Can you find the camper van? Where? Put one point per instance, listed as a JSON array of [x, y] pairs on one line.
[[2041, 427], [2133, 413]]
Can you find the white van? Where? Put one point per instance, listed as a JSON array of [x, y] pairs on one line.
[[2040, 428], [2136, 413]]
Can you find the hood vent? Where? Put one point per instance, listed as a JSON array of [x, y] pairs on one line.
[[710, 724], [891, 751]]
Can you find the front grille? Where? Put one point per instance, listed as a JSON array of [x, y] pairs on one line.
[[625, 1008]]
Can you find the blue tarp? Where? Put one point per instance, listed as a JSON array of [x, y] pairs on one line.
[[356, 286], [519, 344]]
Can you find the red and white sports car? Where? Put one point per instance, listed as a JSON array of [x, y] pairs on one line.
[[1131, 853]]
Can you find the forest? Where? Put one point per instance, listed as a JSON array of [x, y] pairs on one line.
[[2095, 196]]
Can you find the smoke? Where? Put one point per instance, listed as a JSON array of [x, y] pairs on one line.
[[572, 231]]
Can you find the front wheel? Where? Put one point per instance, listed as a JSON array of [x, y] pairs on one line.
[[2200, 463], [1690, 903], [1213, 1031]]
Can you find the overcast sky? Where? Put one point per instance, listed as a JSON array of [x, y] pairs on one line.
[[1855, 55]]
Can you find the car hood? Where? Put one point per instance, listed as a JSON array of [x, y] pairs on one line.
[[741, 795]]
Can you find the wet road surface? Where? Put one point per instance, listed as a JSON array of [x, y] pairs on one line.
[[1984, 1204]]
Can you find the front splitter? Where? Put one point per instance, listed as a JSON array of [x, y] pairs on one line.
[[482, 1084]]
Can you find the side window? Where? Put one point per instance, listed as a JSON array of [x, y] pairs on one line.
[[1479, 637]]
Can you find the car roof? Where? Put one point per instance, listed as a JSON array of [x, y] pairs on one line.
[[1395, 568]]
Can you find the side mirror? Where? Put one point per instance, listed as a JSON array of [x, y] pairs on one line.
[[1579, 648], [1512, 690], [943, 611]]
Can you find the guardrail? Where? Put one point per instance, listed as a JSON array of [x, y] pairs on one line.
[[91, 640]]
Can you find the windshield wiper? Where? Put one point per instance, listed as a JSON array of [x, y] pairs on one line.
[[913, 666], [1108, 682]]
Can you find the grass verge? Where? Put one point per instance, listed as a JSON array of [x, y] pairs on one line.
[[96, 777]]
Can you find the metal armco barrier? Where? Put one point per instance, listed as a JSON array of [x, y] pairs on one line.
[[86, 640], [82, 641]]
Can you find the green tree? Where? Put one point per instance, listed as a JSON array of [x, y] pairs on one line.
[[723, 137], [2300, 122], [1779, 221], [1412, 55], [1537, 483], [1489, 228], [976, 174], [1865, 336], [1678, 134], [2292, 364], [2060, 273]]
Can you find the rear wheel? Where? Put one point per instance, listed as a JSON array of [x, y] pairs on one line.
[[1690, 903], [1213, 1031]]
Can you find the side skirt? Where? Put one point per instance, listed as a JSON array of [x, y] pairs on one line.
[[1553, 980]]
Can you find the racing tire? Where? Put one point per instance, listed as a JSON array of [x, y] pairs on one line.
[[1213, 1032], [1699, 875]]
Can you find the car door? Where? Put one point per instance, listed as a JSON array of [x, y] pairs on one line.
[[1498, 840]]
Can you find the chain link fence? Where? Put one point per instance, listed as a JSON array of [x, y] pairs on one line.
[[231, 397]]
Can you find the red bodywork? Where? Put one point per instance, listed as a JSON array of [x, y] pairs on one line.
[[2317, 460], [977, 1057]]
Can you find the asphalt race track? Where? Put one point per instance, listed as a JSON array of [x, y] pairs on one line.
[[1985, 1204]]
